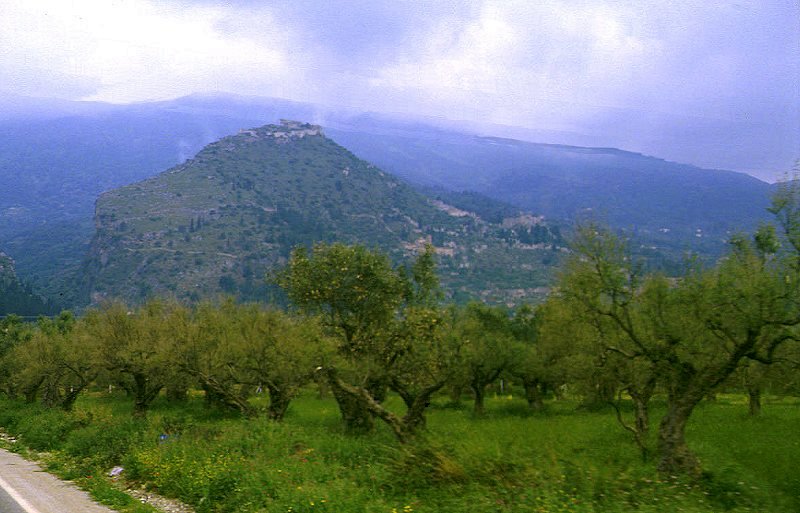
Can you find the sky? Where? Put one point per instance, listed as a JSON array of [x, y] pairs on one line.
[[716, 84]]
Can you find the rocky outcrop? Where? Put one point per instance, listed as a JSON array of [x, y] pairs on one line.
[[285, 131]]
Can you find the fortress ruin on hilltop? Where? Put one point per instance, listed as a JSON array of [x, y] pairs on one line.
[[288, 129]]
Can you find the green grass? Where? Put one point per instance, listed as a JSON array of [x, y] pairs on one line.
[[509, 460]]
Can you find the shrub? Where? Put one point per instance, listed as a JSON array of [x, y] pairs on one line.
[[421, 465], [104, 442], [44, 429]]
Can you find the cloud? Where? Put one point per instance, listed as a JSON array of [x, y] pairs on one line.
[[133, 50], [711, 83], [534, 59], [617, 70]]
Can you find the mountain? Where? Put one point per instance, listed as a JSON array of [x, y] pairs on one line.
[[220, 221], [671, 206], [17, 298], [53, 170], [56, 157]]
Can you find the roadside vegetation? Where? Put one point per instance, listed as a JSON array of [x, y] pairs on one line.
[[510, 459], [625, 391]]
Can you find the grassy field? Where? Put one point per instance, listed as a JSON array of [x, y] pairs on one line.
[[561, 459]]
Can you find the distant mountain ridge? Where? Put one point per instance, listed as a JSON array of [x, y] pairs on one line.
[[675, 206], [221, 221], [57, 157]]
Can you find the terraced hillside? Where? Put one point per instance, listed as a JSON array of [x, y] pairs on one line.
[[222, 220]]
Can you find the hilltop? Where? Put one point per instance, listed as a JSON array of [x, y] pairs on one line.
[[223, 219]]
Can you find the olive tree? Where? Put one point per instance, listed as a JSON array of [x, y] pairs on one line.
[[386, 322], [55, 361], [356, 292], [283, 353], [692, 333], [544, 357], [209, 352], [135, 346], [488, 347], [13, 331]]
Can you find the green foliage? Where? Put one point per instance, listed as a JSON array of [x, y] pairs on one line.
[[13, 332], [563, 460], [234, 348], [43, 429], [356, 291], [133, 347], [786, 208], [188, 473], [688, 335], [388, 327], [421, 465], [55, 360], [486, 346], [103, 439]]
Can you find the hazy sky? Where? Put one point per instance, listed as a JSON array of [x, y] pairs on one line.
[[715, 83]]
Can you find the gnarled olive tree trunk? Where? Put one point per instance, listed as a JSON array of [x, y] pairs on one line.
[[533, 393], [279, 399], [144, 393], [478, 383], [754, 399], [404, 428], [356, 416], [675, 455], [224, 394]]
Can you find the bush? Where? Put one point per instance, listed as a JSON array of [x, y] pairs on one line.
[[44, 429], [104, 442], [422, 465], [10, 415]]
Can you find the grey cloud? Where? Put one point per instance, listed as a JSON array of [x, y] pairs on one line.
[[713, 83], [45, 83]]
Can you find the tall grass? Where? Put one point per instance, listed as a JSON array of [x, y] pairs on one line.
[[508, 460]]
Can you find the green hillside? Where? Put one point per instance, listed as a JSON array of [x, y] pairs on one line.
[[666, 205], [219, 222], [16, 297], [56, 158]]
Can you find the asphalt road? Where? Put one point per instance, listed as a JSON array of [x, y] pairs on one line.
[[26, 488], [8, 504]]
